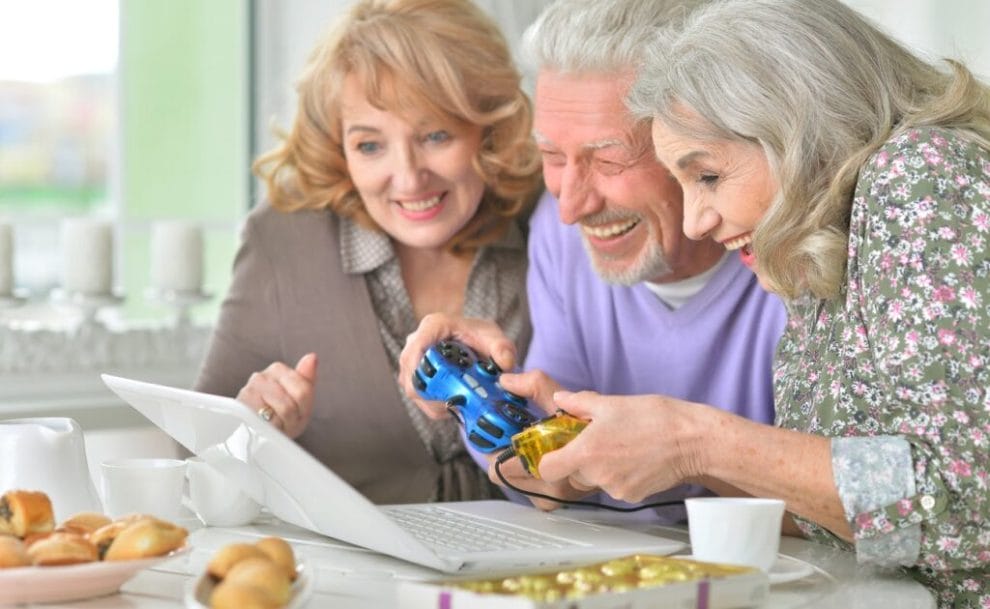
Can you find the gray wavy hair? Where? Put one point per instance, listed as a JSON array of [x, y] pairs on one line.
[[820, 89], [597, 36]]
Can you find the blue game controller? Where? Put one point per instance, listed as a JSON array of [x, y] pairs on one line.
[[451, 372]]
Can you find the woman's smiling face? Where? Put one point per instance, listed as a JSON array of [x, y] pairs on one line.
[[727, 184], [414, 173]]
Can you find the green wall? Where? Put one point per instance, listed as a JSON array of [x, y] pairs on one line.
[[184, 108]]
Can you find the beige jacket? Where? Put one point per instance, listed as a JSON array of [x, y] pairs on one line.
[[289, 296]]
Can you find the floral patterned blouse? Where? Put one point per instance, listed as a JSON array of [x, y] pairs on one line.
[[897, 369]]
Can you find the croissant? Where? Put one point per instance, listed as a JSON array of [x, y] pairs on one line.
[[25, 512], [62, 549]]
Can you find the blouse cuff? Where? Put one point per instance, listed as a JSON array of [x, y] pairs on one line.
[[875, 480]]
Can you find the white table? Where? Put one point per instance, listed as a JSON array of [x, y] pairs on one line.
[[347, 577]]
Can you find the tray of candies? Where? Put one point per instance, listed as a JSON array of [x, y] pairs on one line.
[[631, 582]]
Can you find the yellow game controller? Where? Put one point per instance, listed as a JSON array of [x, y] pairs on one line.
[[545, 436]]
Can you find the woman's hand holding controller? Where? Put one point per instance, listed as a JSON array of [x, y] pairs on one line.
[[517, 475], [538, 389]]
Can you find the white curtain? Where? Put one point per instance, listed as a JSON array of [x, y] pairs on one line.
[[936, 29]]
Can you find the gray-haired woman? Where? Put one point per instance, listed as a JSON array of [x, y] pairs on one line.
[[854, 179]]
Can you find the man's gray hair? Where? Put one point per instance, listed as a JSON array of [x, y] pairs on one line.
[[597, 36]]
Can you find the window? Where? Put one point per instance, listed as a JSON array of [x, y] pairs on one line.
[[130, 111], [56, 121]]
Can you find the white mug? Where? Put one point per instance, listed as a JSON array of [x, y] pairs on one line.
[[216, 498], [144, 486], [735, 530]]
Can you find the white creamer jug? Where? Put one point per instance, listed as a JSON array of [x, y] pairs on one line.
[[48, 454]]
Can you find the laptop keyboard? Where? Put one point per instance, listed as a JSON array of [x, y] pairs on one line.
[[448, 530]]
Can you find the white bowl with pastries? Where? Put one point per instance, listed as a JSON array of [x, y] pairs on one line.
[[262, 574]]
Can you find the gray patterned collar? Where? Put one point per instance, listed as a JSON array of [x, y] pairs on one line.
[[363, 250]]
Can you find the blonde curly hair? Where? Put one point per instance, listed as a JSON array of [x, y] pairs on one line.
[[442, 56]]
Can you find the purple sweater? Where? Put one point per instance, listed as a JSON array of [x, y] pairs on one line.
[[716, 349]]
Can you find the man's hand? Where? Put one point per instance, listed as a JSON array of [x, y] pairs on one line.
[[287, 392], [484, 337]]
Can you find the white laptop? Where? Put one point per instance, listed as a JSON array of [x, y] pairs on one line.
[[459, 537]]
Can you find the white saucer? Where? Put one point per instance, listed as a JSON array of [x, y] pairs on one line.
[[786, 569]]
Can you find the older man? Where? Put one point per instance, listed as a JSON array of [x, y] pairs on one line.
[[622, 302]]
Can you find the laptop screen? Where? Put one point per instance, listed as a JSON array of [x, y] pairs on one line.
[[270, 467]]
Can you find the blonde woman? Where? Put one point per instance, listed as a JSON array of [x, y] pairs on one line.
[[399, 191]]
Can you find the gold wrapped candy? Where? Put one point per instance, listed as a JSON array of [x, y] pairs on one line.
[[617, 575]]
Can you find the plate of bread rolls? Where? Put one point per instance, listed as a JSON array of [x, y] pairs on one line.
[[87, 555], [265, 574]]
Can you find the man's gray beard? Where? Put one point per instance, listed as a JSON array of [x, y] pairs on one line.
[[650, 265]]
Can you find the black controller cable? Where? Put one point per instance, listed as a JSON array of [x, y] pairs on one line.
[[508, 453]]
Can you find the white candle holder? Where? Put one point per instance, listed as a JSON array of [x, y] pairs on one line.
[[6, 261], [180, 301], [15, 298], [88, 305]]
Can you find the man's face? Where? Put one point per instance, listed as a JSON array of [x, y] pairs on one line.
[[601, 167]]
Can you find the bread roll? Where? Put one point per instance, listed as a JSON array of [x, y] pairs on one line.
[[25, 512], [229, 555], [13, 553], [228, 595], [261, 573], [84, 523], [62, 549], [281, 554], [104, 536], [146, 538]]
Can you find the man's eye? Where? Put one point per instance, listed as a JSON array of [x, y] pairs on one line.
[[708, 179], [551, 157], [609, 168], [367, 147], [437, 137]]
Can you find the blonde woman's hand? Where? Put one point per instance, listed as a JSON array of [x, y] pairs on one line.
[[283, 395], [484, 337]]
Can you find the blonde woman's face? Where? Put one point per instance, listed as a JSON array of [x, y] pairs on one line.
[[727, 184], [415, 175]]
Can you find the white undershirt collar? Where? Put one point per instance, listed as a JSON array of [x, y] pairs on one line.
[[676, 293]]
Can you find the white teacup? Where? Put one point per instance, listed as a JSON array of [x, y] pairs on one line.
[[146, 486], [735, 530], [216, 498]]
